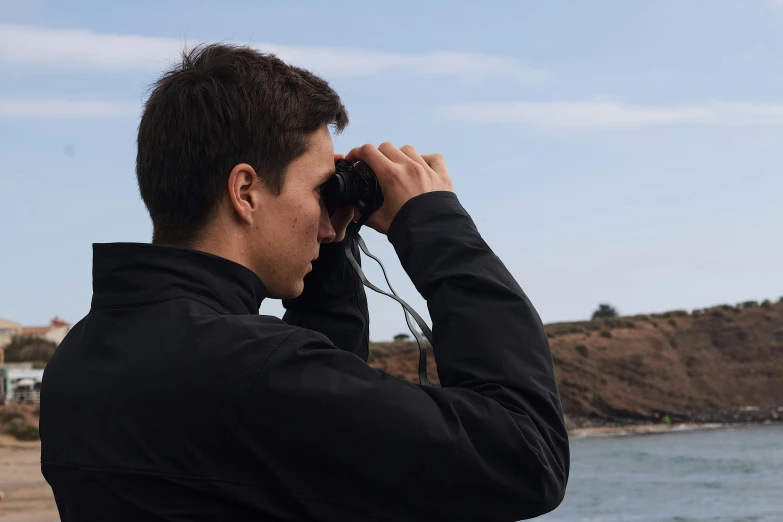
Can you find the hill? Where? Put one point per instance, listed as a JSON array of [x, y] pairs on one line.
[[719, 364]]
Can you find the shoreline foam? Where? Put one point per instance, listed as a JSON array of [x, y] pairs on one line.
[[656, 429]]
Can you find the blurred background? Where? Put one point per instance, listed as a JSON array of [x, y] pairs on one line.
[[609, 152]]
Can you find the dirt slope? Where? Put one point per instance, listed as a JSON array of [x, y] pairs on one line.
[[719, 364]]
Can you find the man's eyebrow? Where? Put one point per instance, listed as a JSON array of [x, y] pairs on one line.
[[326, 176]]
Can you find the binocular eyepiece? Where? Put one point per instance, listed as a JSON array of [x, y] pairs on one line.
[[352, 184]]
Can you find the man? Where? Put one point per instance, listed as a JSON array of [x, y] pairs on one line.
[[173, 399]]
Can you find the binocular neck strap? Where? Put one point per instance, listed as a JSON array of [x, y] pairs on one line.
[[405, 307]]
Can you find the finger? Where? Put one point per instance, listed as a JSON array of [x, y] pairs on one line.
[[434, 161], [338, 157], [413, 154], [370, 155], [393, 153]]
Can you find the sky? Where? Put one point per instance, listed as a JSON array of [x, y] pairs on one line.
[[608, 151]]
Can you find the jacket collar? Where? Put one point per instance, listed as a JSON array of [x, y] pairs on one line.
[[135, 273]]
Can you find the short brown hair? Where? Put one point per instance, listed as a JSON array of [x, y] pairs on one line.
[[221, 106]]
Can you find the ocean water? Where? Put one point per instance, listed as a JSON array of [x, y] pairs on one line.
[[725, 475]]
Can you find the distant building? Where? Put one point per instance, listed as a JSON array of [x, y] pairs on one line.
[[8, 329], [20, 383], [55, 332]]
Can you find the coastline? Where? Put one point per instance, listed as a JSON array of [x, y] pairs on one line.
[[646, 429], [658, 429], [749, 415]]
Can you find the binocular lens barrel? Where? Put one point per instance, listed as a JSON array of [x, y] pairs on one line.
[[352, 185]]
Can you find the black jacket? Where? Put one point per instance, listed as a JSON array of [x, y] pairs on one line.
[[174, 400]]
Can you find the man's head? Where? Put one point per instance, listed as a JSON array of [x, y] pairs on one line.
[[232, 147]]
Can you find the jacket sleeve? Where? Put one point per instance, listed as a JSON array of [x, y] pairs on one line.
[[355, 443], [334, 302]]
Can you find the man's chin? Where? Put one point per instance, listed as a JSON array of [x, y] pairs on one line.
[[290, 293]]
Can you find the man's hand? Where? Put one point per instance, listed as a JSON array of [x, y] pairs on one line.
[[402, 174], [343, 216]]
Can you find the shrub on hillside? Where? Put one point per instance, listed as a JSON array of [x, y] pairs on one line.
[[636, 360], [750, 304], [604, 310], [767, 304], [25, 348], [606, 333], [22, 430], [672, 322], [713, 403], [581, 349], [8, 415], [39, 352]]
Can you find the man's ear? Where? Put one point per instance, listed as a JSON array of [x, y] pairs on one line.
[[242, 191]]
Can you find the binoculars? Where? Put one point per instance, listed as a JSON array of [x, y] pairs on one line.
[[352, 184]]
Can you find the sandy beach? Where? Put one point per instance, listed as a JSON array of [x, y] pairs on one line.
[[26, 495]]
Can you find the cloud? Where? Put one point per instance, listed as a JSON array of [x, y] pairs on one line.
[[66, 109], [82, 49], [605, 114]]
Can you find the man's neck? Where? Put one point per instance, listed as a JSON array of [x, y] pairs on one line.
[[218, 241]]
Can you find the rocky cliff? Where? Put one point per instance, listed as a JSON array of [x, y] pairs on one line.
[[719, 364]]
